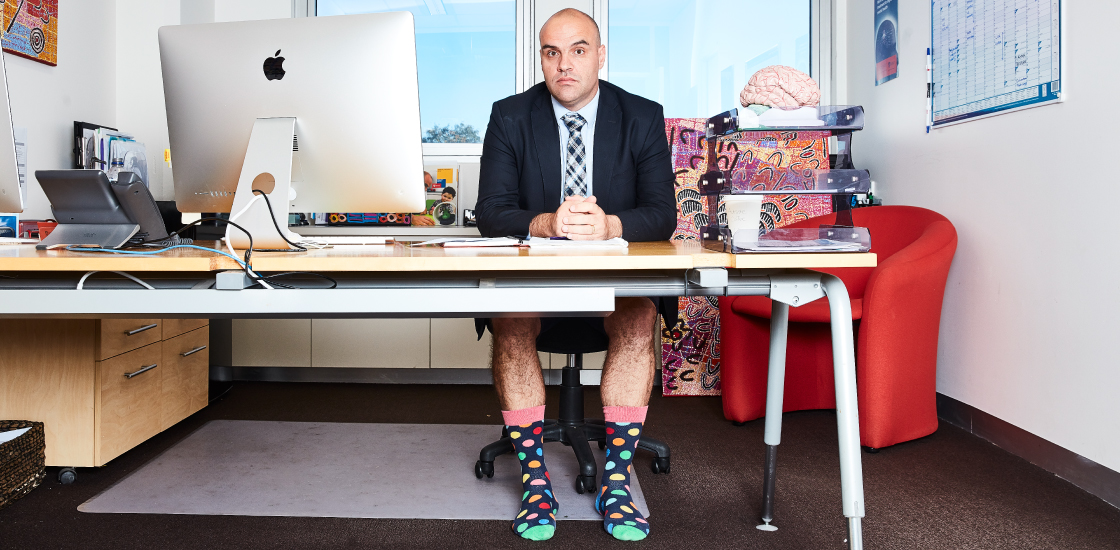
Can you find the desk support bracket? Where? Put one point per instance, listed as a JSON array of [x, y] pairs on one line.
[[706, 281], [796, 289]]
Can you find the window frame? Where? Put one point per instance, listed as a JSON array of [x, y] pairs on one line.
[[827, 57]]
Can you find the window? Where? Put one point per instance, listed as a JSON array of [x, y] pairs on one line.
[[694, 57], [465, 55]]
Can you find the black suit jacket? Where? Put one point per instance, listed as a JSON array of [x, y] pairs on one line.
[[632, 174]]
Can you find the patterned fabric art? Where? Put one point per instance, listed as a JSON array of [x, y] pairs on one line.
[[690, 349], [780, 86]]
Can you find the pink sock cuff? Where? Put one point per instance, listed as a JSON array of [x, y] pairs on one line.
[[521, 417], [624, 414]]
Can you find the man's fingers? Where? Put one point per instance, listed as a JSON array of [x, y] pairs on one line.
[[590, 199], [585, 219], [586, 207]]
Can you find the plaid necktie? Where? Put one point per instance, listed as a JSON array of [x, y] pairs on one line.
[[575, 165]]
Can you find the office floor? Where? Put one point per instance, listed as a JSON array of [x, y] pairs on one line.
[[949, 490]]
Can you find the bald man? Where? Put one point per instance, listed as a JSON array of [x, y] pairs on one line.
[[579, 158]]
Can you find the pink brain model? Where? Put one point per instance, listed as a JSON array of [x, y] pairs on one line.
[[780, 86]]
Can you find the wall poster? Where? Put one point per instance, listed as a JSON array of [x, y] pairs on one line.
[[886, 41], [31, 29]]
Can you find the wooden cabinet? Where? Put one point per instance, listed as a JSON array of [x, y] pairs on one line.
[[101, 387]]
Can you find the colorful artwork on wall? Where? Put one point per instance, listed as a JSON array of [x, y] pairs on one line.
[[31, 29], [690, 349]]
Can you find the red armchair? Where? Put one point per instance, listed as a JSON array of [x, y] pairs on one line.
[[896, 308]]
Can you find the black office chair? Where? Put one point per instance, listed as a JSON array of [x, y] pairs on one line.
[[573, 339]]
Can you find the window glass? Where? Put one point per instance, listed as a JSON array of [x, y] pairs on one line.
[[465, 57], [694, 57]]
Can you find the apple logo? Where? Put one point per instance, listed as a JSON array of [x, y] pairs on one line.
[[274, 67]]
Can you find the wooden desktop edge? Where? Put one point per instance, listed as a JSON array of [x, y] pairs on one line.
[[673, 255]]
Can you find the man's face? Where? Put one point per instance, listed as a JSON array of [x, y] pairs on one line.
[[429, 184], [571, 57]]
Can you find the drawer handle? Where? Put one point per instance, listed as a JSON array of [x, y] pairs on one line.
[[193, 351], [141, 371], [142, 329]]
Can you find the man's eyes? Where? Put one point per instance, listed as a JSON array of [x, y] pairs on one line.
[[580, 51]]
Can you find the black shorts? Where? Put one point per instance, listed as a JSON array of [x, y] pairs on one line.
[[667, 307]]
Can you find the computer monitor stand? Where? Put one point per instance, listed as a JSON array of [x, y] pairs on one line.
[[268, 167]]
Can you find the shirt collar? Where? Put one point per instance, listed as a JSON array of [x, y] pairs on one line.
[[588, 111]]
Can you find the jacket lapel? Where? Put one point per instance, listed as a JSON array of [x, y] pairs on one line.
[[608, 126], [546, 136]]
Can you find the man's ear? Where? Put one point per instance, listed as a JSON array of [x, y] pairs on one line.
[[602, 55]]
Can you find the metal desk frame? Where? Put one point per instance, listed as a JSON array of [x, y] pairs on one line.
[[505, 293]]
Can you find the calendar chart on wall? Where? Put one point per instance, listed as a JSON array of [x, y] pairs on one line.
[[993, 56]]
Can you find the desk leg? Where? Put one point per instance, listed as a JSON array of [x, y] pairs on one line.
[[775, 391], [847, 414]]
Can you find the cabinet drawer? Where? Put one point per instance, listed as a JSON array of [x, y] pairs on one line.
[[120, 335], [175, 327], [130, 405], [186, 376]]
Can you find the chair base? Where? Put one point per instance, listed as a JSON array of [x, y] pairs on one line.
[[578, 436], [575, 431]]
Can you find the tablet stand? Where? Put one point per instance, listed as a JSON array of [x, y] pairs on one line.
[[267, 167]]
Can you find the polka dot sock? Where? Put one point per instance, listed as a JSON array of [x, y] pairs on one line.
[[537, 518], [621, 517]]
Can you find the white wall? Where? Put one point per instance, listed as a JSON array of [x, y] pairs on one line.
[[1029, 324], [139, 100], [47, 100]]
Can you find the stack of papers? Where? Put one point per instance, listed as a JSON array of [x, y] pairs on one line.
[[532, 242], [14, 240], [816, 245], [457, 242], [541, 242]]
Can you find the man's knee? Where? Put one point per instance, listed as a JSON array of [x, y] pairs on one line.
[[520, 328], [632, 317]]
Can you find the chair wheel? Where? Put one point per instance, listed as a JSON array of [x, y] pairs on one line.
[[602, 445], [734, 423], [483, 469], [660, 465], [871, 450], [585, 484], [66, 476]]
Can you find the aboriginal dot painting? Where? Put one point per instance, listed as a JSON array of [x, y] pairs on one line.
[[690, 349], [31, 29]]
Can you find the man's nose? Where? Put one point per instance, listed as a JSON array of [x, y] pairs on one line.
[[563, 65]]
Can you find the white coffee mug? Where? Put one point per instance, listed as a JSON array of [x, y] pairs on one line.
[[744, 213]]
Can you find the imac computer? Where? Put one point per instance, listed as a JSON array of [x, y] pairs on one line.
[[11, 195], [320, 113]]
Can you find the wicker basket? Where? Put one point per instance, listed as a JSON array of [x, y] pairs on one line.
[[22, 460]]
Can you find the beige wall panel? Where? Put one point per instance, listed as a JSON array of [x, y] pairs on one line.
[[455, 345], [371, 343], [591, 361], [272, 342], [47, 375]]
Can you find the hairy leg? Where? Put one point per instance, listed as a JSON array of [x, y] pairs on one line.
[[628, 371], [520, 387], [516, 367]]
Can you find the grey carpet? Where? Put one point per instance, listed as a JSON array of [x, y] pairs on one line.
[[342, 470]]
